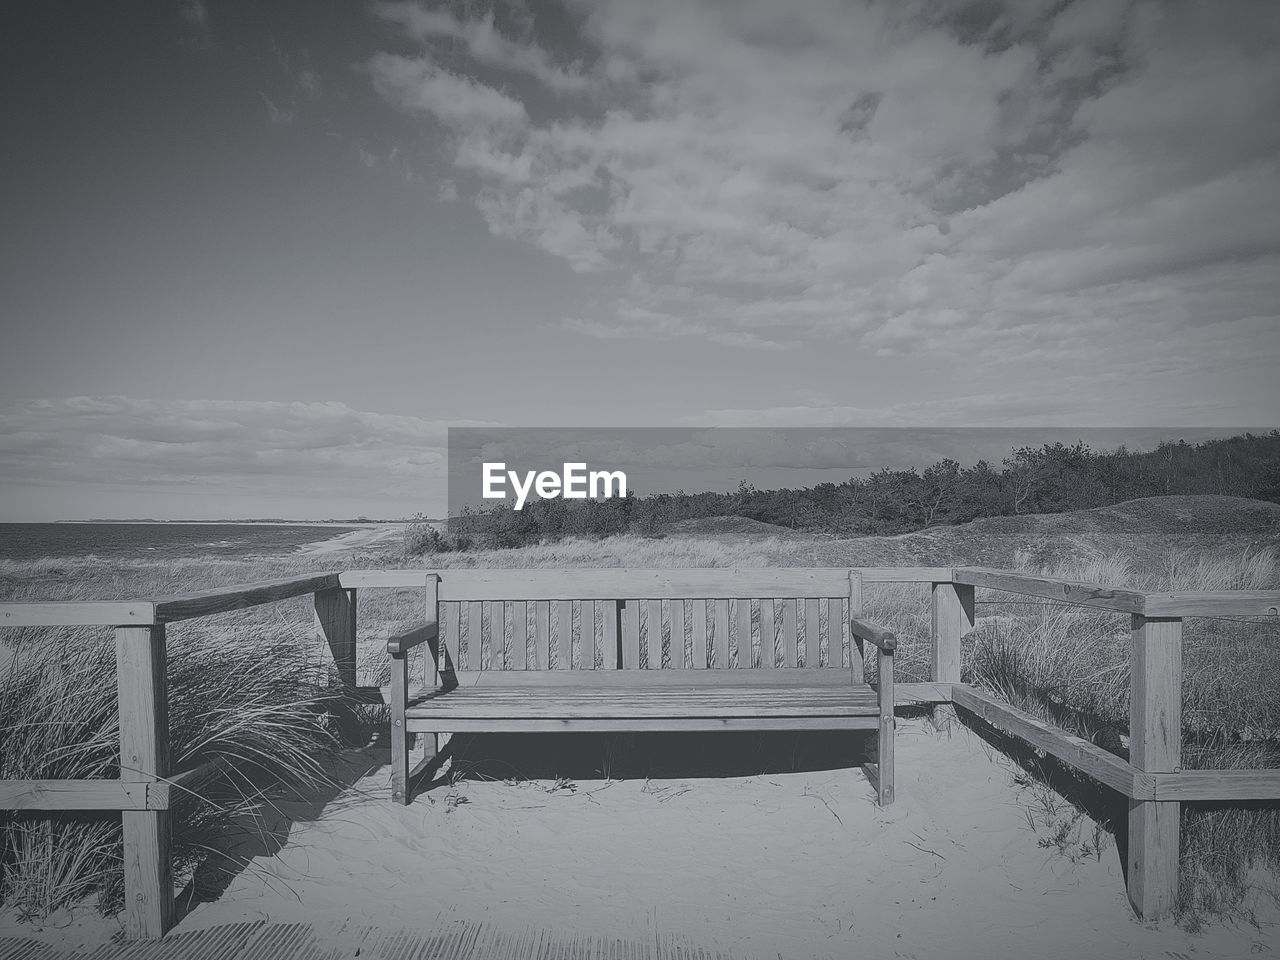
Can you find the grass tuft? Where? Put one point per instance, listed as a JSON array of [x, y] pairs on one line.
[[258, 707]]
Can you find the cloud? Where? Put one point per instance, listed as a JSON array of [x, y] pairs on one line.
[[249, 449], [485, 44], [419, 85], [1028, 183]]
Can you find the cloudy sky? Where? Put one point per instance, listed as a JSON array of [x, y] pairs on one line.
[[258, 256]]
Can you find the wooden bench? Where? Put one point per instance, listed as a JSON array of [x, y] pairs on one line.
[[515, 651]]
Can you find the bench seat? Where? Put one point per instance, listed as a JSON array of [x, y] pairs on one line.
[[505, 702]]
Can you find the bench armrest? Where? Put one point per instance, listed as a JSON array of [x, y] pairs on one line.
[[407, 641], [874, 633]]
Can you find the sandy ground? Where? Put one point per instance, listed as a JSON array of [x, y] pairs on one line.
[[790, 865], [381, 533]]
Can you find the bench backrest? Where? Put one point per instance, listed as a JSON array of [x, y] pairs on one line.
[[607, 619]]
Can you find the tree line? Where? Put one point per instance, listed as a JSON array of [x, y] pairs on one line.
[[1052, 478]]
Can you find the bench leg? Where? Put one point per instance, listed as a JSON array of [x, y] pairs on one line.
[[884, 746], [399, 735]]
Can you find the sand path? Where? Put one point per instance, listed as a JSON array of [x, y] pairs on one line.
[[796, 865]]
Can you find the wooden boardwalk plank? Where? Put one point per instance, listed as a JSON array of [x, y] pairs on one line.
[[446, 940]]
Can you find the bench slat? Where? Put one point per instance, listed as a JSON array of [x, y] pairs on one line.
[[519, 635], [789, 642], [640, 725], [449, 616], [473, 661], [699, 634], [721, 636], [645, 679], [541, 636], [587, 634], [835, 634], [631, 635], [746, 655], [812, 635], [768, 634], [562, 643], [653, 635], [479, 703], [622, 582], [677, 634], [611, 617]]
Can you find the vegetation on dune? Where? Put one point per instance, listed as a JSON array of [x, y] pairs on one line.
[[1053, 478]]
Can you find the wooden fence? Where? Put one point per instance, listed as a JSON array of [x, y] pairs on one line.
[[1152, 779]]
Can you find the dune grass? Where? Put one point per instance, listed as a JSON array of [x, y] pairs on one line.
[[1070, 665], [248, 689]]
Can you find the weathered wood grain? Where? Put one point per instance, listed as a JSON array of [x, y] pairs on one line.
[[74, 795], [675, 610], [1213, 603], [404, 642], [1155, 746], [353, 579], [77, 613], [1068, 591], [873, 633], [335, 610], [768, 634], [562, 645], [653, 634], [399, 729], [742, 634], [789, 638], [519, 635], [699, 635], [952, 612], [630, 629], [611, 618], [836, 628], [144, 756], [1217, 785], [812, 635], [541, 636], [475, 631], [1104, 767], [720, 634], [224, 599], [884, 735], [645, 724]]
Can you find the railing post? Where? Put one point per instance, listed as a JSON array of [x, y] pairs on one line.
[[952, 618], [857, 660], [144, 749], [336, 611], [399, 736], [1155, 746], [435, 652]]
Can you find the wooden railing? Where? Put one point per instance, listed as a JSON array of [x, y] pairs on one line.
[[1152, 778]]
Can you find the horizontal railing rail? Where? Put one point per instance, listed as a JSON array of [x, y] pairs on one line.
[[1152, 777]]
